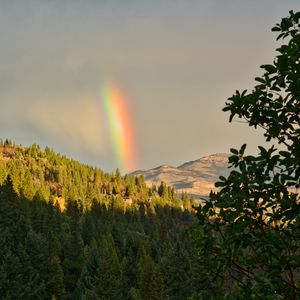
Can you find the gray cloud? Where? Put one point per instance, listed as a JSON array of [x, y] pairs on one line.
[[178, 60], [77, 124]]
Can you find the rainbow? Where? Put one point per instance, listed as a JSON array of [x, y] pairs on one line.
[[120, 127]]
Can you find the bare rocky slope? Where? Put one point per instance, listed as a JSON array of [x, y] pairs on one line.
[[196, 177]]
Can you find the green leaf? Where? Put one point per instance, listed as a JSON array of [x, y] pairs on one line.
[[234, 151], [280, 36], [231, 117], [242, 150], [285, 153], [261, 80], [263, 151], [286, 24], [280, 81], [276, 28], [220, 184], [222, 178], [269, 68], [296, 17]]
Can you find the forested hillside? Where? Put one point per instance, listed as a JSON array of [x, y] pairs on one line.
[[70, 231], [50, 176]]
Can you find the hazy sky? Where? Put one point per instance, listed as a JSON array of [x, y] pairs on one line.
[[176, 60]]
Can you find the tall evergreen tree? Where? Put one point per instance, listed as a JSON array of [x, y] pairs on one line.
[[151, 285], [55, 284], [73, 249], [177, 271]]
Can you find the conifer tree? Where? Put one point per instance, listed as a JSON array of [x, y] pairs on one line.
[[151, 285], [177, 273], [73, 249], [101, 274], [55, 284], [3, 172], [108, 286], [28, 189]]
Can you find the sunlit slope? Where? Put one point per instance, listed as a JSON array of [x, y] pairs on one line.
[[49, 176], [196, 177]]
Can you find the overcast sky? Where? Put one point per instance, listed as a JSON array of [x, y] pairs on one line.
[[177, 62]]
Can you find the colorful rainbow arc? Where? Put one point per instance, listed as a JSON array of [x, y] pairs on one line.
[[120, 127]]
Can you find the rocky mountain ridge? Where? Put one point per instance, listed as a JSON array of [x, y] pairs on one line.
[[196, 177]]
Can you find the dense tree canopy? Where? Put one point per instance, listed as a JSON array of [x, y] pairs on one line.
[[69, 231], [251, 230]]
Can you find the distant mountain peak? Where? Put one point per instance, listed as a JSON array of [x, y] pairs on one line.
[[216, 156], [212, 157], [164, 167], [195, 177]]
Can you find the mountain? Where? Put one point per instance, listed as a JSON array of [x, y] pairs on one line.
[[196, 177]]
